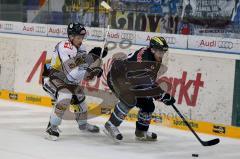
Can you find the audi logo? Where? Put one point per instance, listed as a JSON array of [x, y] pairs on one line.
[[170, 40], [40, 29], [225, 44], [97, 33], [8, 27], [127, 36]]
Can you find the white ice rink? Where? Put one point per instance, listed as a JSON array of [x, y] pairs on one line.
[[22, 129]]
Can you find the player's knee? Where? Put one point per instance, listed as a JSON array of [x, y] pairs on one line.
[[63, 100], [64, 94]]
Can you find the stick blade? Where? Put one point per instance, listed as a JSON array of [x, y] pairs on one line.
[[211, 142]]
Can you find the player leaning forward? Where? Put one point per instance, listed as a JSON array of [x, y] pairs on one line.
[[70, 64], [133, 81]]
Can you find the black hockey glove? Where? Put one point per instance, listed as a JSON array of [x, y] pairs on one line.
[[97, 51], [96, 71], [167, 99]]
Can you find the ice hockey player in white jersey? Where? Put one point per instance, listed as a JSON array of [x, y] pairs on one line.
[[69, 65]]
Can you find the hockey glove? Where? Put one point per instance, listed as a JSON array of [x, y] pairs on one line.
[[97, 63], [97, 51], [167, 99], [96, 71]]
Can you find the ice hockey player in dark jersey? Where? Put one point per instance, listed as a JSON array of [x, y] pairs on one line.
[[133, 81]]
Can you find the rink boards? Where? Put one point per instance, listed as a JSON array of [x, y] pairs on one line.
[[203, 83]]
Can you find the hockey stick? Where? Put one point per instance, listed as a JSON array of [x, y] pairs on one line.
[[105, 40], [204, 143], [107, 7]]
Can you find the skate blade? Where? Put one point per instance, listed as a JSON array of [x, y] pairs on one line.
[[85, 131], [145, 139], [51, 137], [116, 141]]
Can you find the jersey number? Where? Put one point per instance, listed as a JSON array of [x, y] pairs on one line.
[[68, 45]]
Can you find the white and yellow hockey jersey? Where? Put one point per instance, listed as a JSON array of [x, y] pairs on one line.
[[64, 60]]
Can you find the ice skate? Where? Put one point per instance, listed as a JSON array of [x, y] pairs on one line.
[[52, 132], [89, 128], [145, 135], [112, 131]]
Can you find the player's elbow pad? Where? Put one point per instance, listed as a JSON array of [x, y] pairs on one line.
[[76, 75]]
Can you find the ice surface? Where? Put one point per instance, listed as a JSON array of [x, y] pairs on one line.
[[22, 129]]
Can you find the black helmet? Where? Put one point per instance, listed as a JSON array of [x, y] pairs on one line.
[[158, 42], [76, 29]]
